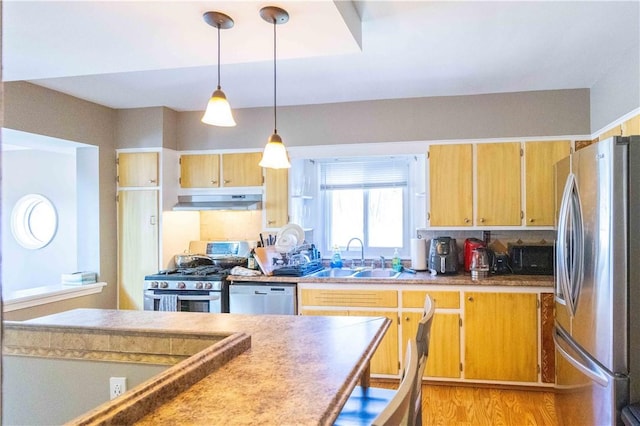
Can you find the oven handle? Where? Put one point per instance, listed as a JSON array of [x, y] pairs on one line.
[[211, 296]]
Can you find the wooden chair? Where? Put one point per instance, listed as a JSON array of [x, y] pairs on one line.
[[365, 404]]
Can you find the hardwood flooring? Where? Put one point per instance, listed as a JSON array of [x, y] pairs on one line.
[[473, 406]]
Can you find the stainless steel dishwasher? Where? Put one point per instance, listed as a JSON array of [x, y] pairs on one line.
[[262, 298]]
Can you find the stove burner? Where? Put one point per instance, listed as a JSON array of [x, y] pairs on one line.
[[202, 270]]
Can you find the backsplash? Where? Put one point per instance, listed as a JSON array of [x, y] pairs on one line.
[[503, 236]]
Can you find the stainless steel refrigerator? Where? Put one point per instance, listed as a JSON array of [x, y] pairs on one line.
[[597, 290]]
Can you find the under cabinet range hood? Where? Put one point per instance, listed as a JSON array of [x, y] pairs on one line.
[[219, 202]]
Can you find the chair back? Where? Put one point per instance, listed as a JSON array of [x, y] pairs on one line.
[[399, 411], [424, 328]]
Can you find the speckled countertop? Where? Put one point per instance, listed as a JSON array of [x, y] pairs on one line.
[[407, 278], [298, 370]]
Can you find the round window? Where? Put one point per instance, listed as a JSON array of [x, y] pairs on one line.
[[34, 221]]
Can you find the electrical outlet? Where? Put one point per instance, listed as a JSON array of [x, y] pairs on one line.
[[117, 386]]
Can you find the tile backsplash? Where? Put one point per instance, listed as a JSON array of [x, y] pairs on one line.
[[503, 236]]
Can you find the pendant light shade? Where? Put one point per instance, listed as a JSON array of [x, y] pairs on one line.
[[218, 112], [275, 154]]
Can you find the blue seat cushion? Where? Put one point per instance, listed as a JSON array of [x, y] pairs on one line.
[[364, 405]]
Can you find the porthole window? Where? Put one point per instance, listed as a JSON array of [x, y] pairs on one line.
[[34, 221]]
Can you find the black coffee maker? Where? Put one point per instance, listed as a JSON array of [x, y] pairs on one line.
[[443, 255]]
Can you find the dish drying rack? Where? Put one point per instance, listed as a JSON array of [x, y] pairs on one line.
[[302, 260]]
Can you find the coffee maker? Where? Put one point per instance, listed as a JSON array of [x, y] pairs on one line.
[[443, 255]]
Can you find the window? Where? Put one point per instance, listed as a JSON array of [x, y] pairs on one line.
[[34, 221], [366, 198]]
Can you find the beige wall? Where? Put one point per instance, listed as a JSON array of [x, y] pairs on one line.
[[521, 114], [34, 109]]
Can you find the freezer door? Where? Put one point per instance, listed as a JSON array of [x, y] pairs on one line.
[[586, 393]]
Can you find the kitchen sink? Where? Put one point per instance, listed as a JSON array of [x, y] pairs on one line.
[[377, 273], [334, 273]]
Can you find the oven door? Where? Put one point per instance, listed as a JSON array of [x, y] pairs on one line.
[[187, 300]]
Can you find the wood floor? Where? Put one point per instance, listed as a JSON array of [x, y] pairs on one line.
[[467, 406]]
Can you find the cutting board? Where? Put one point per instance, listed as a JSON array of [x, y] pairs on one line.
[[265, 256]]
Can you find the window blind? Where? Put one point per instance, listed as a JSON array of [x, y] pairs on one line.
[[364, 174]]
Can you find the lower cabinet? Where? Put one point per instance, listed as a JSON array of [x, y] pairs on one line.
[[476, 336], [501, 336]]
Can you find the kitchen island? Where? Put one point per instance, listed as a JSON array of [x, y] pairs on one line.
[[297, 370]]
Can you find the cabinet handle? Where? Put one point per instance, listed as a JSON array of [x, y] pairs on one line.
[[152, 220], [406, 318], [152, 181], [470, 299], [271, 222], [531, 220], [226, 181], [213, 182], [466, 220], [482, 220]]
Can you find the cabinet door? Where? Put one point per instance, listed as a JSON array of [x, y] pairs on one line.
[[451, 185], [137, 244], [138, 169], [241, 169], [444, 343], [498, 184], [631, 126], [501, 336], [200, 171], [385, 360], [276, 198], [540, 191]]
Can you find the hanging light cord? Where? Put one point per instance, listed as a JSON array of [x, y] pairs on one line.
[[275, 114], [218, 56]]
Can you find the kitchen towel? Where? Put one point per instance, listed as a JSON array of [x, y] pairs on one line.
[[418, 254], [168, 303]]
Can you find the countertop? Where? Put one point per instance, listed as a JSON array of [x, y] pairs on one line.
[[460, 279], [297, 370]]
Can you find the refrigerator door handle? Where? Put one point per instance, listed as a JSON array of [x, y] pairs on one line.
[[563, 278], [578, 358]]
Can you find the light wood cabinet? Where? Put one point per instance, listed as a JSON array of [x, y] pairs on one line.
[[137, 169], [540, 191], [498, 184], [444, 344], [501, 336], [385, 361], [137, 244], [631, 126], [276, 198], [451, 185], [215, 170], [200, 171]]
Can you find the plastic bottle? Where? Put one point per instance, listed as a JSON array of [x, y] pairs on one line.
[[336, 260], [396, 264]]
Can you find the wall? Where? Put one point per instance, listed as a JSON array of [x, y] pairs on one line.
[[541, 113], [616, 93], [34, 109], [52, 174], [53, 391]]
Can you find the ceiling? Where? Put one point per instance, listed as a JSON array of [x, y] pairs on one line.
[[160, 53]]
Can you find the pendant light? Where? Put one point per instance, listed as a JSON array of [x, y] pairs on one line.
[[218, 111], [275, 154]]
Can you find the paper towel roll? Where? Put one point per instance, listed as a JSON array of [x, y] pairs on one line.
[[419, 254]]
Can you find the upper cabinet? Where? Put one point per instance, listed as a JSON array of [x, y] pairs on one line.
[[540, 195], [138, 169], [451, 185], [276, 198], [200, 171], [220, 170], [498, 184], [490, 185]]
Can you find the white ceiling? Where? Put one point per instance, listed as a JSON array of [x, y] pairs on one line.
[[160, 53]]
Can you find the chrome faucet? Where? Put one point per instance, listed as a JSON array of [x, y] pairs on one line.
[[361, 249], [381, 262]]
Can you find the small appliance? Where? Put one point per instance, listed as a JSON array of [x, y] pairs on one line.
[[443, 255], [532, 259], [471, 244]]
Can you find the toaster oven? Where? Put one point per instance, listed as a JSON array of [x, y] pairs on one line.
[[532, 259]]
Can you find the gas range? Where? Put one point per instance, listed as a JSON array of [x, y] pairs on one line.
[[206, 277]]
